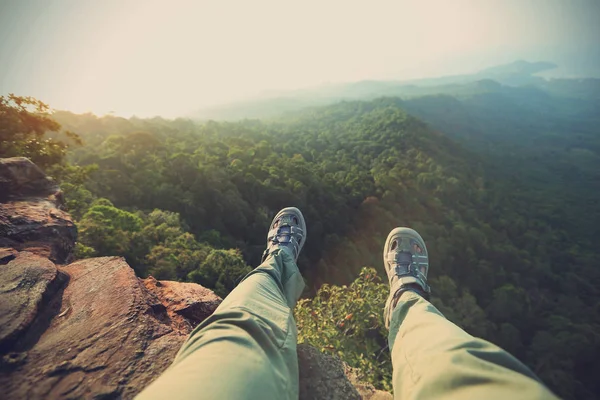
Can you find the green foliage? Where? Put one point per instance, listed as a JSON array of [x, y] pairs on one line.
[[83, 251], [222, 270], [157, 244], [24, 121], [510, 262], [107, 229], [348, 321], [78, 199]]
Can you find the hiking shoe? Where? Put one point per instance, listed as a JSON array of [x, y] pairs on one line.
[[287, 231], [406, 262]]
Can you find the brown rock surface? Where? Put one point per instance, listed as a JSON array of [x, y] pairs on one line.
[[38, 226], [366, 390], [327, 377], [322, 376], [110, 335], [7, 254], [20, 178], [29, 215], [183, 308], [25, 281]]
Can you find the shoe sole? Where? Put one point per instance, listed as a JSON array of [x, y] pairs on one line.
[[301, 222], [401, 233]]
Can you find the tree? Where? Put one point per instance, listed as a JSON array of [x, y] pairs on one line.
[[348, 321], [108, 229], [222, 270], [23, 123]]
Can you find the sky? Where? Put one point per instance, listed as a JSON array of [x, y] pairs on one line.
[[168, 58]]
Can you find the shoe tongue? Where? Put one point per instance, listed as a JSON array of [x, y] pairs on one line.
[[284, 234], [283, 238], [403, 258]]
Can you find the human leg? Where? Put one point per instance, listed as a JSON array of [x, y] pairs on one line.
[[431, 356], [247, 348]]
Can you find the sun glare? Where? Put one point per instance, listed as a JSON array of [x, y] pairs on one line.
[[167, 58]]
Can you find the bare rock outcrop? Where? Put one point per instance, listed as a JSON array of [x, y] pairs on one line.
[[106, 334], [22, 179], [327, 377], [26, 281], [91, 328], [30, 214], [322, 376]]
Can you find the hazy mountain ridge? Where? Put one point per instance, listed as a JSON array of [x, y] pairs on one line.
[[538, 128], [504, 78]]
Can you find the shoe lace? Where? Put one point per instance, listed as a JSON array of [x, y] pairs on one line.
[[402, 263], [286, 234]]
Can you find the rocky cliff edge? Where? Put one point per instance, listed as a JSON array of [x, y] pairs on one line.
[[91, 328]]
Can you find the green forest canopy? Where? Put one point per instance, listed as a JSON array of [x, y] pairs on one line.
[[192, 201]]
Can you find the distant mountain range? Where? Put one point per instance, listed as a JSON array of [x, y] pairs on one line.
[[500, 78]]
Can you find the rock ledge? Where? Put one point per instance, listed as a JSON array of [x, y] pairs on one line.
[[91, 328]]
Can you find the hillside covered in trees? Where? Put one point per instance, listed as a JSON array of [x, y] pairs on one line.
[[514, 257]]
